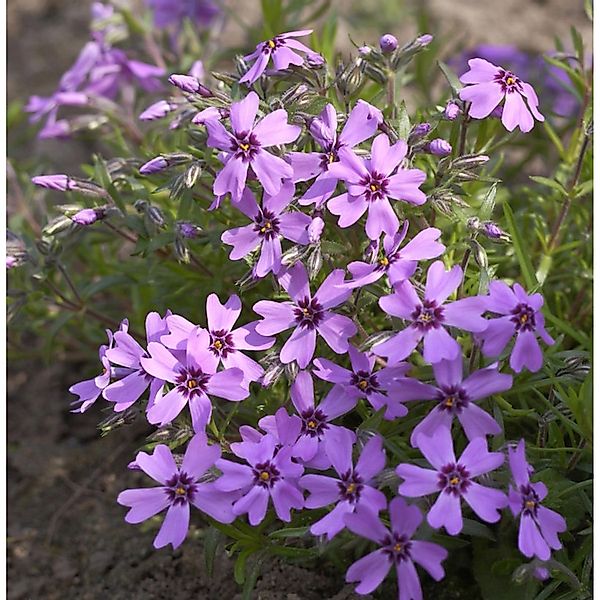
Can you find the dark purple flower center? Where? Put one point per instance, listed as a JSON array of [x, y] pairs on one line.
[[314, 422], [272, 44], [192, 382], [365, 382], [180, 488], [523, 317], [350, 486], [265, 474], [245, 146], [385, 260], [453, 479], [328, 157], [221, 343], [508, 81], [530, 500], [375, 186], [452, 399], [266, 224], [428, 316], [397, 547], [308, 313]]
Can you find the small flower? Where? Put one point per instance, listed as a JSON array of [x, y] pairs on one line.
[[451, 111], [539, 526], [454, 480], [456, 397], [270, 473], [245, 148], [281, 48], [397, 549], [60, 182], [371, 183], [439, 147], [489, 85], [156, 165], [520, 314], [307, 315], [388, 43], [352, 489], [180, 487], [428, 318], [270, 224], [88, 216]]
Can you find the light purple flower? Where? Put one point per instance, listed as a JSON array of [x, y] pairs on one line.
[[456, 397], [489, 85], [155, 165], [88, 216], [451, 111], [520, 314], [380, 388], [352, 489], [388, 43], [180, 487], [224, 342], [173, 12], [370, 184], [307, 314], [539, 526], [284, 50], [190, 84], [398, 549], [270, 224], [362, 123], [270, 473], [59, 181], [245, 148], [427, 319], [398, 264], [454, 480], [194, 378], [11, 262], [316, 428]]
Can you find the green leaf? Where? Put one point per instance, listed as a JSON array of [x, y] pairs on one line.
[[403, 121], [450, 76], [551, 183], [489, 201], [291, 532], [212, 537], [522, 255]]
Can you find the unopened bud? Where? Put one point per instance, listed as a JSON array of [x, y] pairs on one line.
[[492, 231], [418, 132], [192, 174], [158, 110], [314, 263], [181, 252], [188, 230], [388, 43], [315, 229], [479, 254], [88, 216], [212, 112], [190, 84], [155, 215], [424, 40], [59, 181], [155, 165], [451, 111], [470, 161], [439, 147], [365, 50]]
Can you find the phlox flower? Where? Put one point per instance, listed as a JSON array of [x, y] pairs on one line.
[[397, 549], [307, 315], [520, 314], [180, 487], [351, 489], [454, 480], [456, 396], [270, 224], [538, 526], [173, 12], [489, 85], [371, 182], [428, 318], [245, 147], [362, 123], [283, 49]]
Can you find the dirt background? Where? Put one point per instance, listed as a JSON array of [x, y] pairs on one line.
[[66, 534]]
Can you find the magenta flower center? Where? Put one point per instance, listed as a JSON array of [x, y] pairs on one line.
[[452, 399], [245, 146], [314, 422], [221, 343], [308, 313], [397, 547], [266, 225], [265, 474], [375, 186], [523, 317], [508, 81], [530, 500], [365, 382], [428, 316], [453, 479], [192, 382], [180, 488], [350, 486]]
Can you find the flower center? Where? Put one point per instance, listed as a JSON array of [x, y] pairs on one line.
[[397, 547], [428, 316], [245, 146], [375, 186], [266, 225], [508, 81], [314, 422], [181, 488], [192, 382], [221, 343], [530, 500], [453, 479], [452, 399], [265, 474], [365, 381], [523, 317], [350, 487], [308, 313]]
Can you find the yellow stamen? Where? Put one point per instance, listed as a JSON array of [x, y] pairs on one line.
[[305, 311], [510, 80], [425, 317], [384, 262], [218, 344], [449, 401], [455, 480], [192, 383], [524, 318], [363, 384], [271, 44], [374, 187], [398, 547], [265, 476], [530, 504], [311, 424], [350, 488], [245, 147], [331, 157], [180, 491]]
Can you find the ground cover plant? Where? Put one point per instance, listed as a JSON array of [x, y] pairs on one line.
[[359, 334]]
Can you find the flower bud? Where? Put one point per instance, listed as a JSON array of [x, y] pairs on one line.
[[451, 111], [87, 216], [439, 147], [315, 229], [188, 230], [60, 182], [364, 50], [388, 43], [479, 254], [190, 84], [492, 231], [212, 112], [418, 131], [314, 263], [155, 215], [181, 252], [158, 110], [470, 161], [155, 165], [314, 60], [424, 40], [191, 174]]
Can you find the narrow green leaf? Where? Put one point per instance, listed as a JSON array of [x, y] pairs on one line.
[[450, 76], [522, 256]]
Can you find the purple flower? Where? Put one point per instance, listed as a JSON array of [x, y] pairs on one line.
[[539, 526], [315, 229], [180, 487], [11, 262], [379, 388], [490, 86], [451, 111], [188, 230], [270, 225], [190, 84], [398, 264], [439, 147], [398, 549], [456, 397], [194, 378], [60, 182], [173, 12], [419, 131], [362, 123], [427, 319], [352, 489], [316, 428], [370, 184], [212, 112], [270, 473], [281, 48], [244, 148], [88, 216], [388, 43], [223, 342], [156, 165], [307, 314], [453, 479], [521, 315], [133, 379]]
